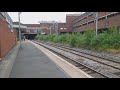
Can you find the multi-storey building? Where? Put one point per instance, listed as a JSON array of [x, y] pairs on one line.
[[88, 21]]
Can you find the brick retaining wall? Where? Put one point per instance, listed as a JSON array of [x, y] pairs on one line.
[[7, 38]]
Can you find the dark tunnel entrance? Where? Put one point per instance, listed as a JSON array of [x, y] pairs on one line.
[[30, 36]]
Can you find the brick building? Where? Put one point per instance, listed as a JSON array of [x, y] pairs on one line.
[[59, 27], [52, 27], [7, 34], [33, 28], [87, 21], [69, 21], [47, 27], [62, 28]]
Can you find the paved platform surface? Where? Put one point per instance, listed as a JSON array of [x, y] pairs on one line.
[[32, 63]]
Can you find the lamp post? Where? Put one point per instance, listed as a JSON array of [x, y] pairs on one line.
[[57, 29], [53, 26], [40, 28], [96, 23], [50, 29], [19, 27]]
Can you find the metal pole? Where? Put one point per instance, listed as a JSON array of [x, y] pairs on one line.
[[57, 28], [19, 28], [40, 30], [50, 29], [53, 27], [96, 23]]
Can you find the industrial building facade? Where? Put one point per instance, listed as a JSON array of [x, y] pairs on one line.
[[42, 28], [7, 34], [53, 28], [47, 27], [87, 21]]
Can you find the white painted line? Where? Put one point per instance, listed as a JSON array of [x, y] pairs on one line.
[[70, 69]]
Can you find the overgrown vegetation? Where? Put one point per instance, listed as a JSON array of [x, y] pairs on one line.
[[108, 40]]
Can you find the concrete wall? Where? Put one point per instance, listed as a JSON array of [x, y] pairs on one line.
[[7, 38]]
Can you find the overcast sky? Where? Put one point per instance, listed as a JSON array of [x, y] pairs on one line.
[[34, 17]]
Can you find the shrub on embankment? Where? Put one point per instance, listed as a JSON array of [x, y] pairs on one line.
[[107, 40]]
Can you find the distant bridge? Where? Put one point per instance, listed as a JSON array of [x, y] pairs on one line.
[[30, 35]]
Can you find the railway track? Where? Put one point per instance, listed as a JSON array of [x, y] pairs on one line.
[[92, 65], [88, 56]]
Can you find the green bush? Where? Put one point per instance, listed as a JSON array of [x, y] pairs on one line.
[[109, 39], [72, 40], [51, 37]]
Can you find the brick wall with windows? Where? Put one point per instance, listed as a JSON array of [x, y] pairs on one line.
[[62, 27], [111, 20]]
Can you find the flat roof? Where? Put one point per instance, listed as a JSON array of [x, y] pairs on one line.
[[73, 14]]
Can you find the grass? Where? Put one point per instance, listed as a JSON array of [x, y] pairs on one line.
[[108, 40]]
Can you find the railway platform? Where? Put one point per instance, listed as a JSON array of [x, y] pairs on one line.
[[33, 63]]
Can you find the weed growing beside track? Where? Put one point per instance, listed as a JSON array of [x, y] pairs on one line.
[[108, 40]]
